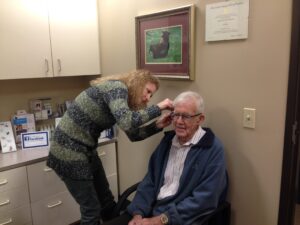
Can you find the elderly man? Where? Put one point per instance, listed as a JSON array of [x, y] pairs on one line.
[[186, 177]]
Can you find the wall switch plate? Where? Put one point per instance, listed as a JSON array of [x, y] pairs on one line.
[[249, 118]]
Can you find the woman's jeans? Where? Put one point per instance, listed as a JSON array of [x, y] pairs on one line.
[[94, 196]]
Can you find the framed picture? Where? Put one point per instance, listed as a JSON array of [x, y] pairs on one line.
[[164, 43]]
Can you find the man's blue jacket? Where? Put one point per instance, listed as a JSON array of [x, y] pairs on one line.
[[203, 183]]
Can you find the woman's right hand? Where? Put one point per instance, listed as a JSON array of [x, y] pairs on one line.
[[166, 104], [164, 120]]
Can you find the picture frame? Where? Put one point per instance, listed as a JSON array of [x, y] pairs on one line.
[[165, 43]]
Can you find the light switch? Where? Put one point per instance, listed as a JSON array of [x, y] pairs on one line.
[[249, 118]]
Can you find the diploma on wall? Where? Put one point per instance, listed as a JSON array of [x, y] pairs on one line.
[[227, 20]]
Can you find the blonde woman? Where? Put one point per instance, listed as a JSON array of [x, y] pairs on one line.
[[118, 99]]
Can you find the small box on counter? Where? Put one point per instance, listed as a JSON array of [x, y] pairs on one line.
[[41, 115], [41, 108], [21, 124]]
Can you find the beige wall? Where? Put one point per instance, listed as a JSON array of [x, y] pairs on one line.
[[230, 75]]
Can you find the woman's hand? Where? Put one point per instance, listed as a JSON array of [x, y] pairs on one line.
[[166, 104], [164, 120]]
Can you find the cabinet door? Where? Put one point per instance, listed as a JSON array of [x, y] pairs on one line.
[[14, 178], [13, 199], [43, 181], [18, 216], [59, 209], [108, 156], [24, 40], [74, 37]]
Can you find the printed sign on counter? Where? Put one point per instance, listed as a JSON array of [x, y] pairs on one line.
[[7, 139], [35, 139]]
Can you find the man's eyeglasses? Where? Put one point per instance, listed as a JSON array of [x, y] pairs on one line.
[[184, 117]]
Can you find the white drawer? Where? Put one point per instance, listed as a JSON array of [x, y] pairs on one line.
[[60, 209], [107, 154], [19, 216], [14, 198], [43, 181], [13, 178]]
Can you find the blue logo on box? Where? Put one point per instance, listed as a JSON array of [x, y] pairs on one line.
[[20, 121]]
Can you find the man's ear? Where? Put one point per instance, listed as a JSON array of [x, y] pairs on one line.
[[201, 118]]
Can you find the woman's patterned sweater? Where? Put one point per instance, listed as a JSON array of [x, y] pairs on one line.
[[99, 107]]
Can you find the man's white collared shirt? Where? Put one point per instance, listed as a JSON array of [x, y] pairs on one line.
[[175, 164]]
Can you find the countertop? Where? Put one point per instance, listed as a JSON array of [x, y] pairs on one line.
[[20, 158]]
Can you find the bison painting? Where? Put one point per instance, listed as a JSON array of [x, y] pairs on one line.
[[160, 50]]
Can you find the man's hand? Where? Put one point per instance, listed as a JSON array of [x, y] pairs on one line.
[[146, 221], [136, 220]]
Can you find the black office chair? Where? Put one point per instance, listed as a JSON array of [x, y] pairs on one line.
[[219, 216]]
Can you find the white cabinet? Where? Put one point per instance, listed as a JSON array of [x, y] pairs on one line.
[[108, 156], [74, 37], [14, 197], [45, 38], [60, 209], [34, 195], [51, 203], [24, 40]]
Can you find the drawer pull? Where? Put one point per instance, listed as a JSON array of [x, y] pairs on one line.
[[102, 154], [7, 222], [59, 65], [47, 169], [54, 205], [2, 182], [47, 65], [5, 202]]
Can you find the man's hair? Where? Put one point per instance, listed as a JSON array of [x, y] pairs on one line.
[[135, 82], [190, 95]]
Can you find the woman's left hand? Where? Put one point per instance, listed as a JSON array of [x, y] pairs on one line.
[[166, 104], [164, 120]]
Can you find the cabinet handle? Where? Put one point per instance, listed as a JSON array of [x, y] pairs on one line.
[[59, 65], [102, 154], [47, 65], [54, 205], [7, 222], [4, 181], [47, 169], [5, 202]]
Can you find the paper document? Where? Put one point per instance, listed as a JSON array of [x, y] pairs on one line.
[[227, 20]]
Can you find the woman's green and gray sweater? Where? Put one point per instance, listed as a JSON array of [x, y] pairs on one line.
[[99, 107]]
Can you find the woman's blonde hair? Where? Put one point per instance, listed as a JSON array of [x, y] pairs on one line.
[[135, 82]]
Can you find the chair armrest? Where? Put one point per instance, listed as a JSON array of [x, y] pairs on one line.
[[221, 213], [123, 199]]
